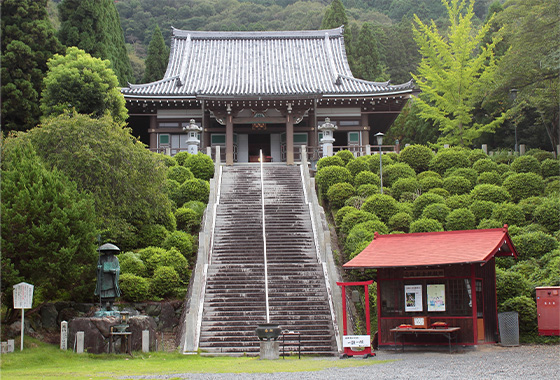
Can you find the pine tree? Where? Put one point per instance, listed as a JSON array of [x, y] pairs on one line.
[[28, 41], [335, 16], [94, 26], [368, 66], [158, 55]]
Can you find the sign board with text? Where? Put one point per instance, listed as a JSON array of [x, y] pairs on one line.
[[23, 295], [356, 341]]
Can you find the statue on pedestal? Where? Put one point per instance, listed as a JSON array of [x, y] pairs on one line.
[[107, 288]]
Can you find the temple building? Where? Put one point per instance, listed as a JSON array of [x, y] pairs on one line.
[[269, 91]]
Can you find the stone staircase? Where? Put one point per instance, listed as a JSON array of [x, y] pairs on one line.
[[235, 301]]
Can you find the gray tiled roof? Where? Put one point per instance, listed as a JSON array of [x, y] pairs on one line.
[[259, 64]]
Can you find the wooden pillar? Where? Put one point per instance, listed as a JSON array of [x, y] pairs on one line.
[[473, 300], [289, 140], [365, 130], [313, 144], [229, 140], [206, 123], [153, 132]]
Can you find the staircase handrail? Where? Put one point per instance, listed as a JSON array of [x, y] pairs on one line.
[[264, 241]]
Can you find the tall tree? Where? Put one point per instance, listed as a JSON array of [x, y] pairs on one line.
[[335, 16], [158, 55], [94, 26], [28, 41], [368, 65], [455, 73]]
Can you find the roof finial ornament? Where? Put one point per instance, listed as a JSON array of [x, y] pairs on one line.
[[505, 228]]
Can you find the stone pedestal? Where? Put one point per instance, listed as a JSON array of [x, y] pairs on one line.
[[269, 349]]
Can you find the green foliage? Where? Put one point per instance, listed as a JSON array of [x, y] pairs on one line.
[[423, 200], [529, 205], [458, 201], [467, 173], [172, 189], [492, 193], [425, 225], [194, 190], [355, 217], [95, 27], [402, 185], [449, 158], [340, 214], [158, 56], [188, 220], [396, 171], [329, 161], [540, 154], [491, 178], [534, 244], [355, 201], [131, 263], [400, 222], [167, 160], [485, 165], [382, 205], [546, 214], [550, 168], [430, 182], [170, 258], [366, 177], [181, 241], [482, 209], [511, 284], [437, 211], [367, 190], [428, 174], [197, 206], [345, 155], [526, 164], [164, 281], [476, 155], [179, 174], [134, 288], [509, 213], [457, 185], [460, 219], [357, 166], [367, 63], [335, 16], [417, 157], [488, 223], [328, 176], [28, 41], [181, 158], [152, 235], [358, 237], [527, 312], [200, 165], [79, 82], [439, 191], [339, 193], [552, 188], [524, 185]]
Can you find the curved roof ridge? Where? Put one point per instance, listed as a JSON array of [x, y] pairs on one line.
[[197, 34], [144, 85]]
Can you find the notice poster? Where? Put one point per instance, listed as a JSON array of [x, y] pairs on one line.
[[413, 298], [436, 297]]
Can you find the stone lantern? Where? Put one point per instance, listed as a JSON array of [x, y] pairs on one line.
[[328, 129], [192, 130]]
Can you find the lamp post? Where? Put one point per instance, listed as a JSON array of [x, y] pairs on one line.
[[513, 96], [380, 142]]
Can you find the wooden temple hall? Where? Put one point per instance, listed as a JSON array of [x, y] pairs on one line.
[[248, 91]]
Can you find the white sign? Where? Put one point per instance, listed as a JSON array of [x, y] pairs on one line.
[[436, 297], [356, 341], [412, 298], [23, 296], [63, 335]]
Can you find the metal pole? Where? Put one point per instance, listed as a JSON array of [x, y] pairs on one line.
[[22, 327], [264, 241], [380, 170]]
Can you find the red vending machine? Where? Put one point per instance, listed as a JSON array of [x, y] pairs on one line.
[[548, 310]]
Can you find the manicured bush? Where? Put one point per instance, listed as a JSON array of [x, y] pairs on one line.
[[408, 197], [511, 284], [546, 214], [181, 241], [353, 218], [167, 160], [423, 200], [164, 281], [396, 171], [460, 219], [550, 168], [524, 185], [345, 155], [340, 214], [152, 235], [367, 189], [425, 225], [491, 178], [488, 223], [146, 253], [428, 183], [374, 162], [188, 220], [492, 193], [550, 264], [526, 164], [502, 157], [355, 201], [503, 168], [428, 173], [402, 185], [439, 191], [468, 173], [181, 157], [366, 177], [172, 189], [329, 161], [509, 213], [131, 263], [437, 211], [485, 165], [382, 205], [170, 258], [455, 202], [339, 193], [533, 227], [540, 154], [179, 173], [534, 244], [529, 205], [357, 166], [134, 288], [526, 310], [328, 176], [356, 238], [450, 158], [418, 157], [201, 166], [194, 190], [370, 161], [477, 155], [457, 185], [196, 206], [482, 209], [405, 207], [553, 188], [400, 222]]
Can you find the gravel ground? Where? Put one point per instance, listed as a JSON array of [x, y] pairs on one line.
[[487, 362]]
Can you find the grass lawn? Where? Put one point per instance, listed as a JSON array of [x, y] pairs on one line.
[[42, 361]]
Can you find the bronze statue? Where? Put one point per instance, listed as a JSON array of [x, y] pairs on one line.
[[108, 270]]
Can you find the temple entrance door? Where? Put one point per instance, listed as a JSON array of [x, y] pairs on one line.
[[257, 142]]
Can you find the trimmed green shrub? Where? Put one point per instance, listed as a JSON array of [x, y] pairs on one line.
[[152, 235], [382, 205], [457, 185], [485, 165], [194, 190], [396, 171], [533, 244], [502, 157], [164, 281], [408, 197], [546, 214], [366, 177], [428, 183], [488, 223], [134, 288], [355, 201], [329, 161], [373, 225], [491, 178], [131, 263], [540, 154], [550, 264], [402, 185], [477, 155], [339, 193], [179, 173], [172, 189], [460, 219], [418, 157], [425, 225], [197, 206], [450, 158], [353, 218], [550, 168], [526, 164], [492, 193], [553, 188], [146, 253], [167, 160], [509, 213], [468, 173], [367, 189], [201, 166], [511, 284], [181, 157], [400, 222], [503, 168], [404, 207], [170, 258], [526, 310], [428, 174], [482, 209], [529, 205], [181, 241], [524, 185], [533, 227], [439, 191], [340, 214], [357, 237], [328, 176], [374, 163], [345, 155], [437, 211], [370, 161], [455, 202], [423, 200], [357, 166], [188, 220]]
